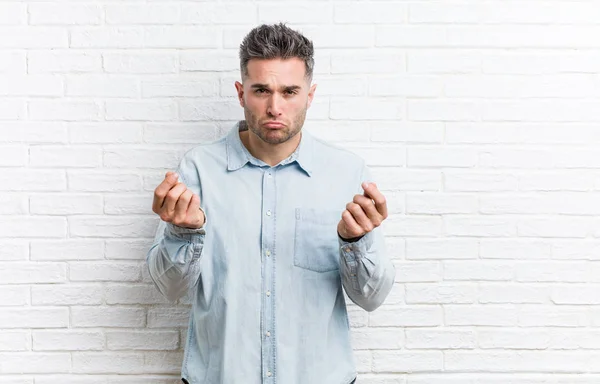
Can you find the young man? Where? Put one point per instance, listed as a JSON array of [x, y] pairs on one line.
[[264, 228]]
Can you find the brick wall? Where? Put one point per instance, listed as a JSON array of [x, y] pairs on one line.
[[480, 120]]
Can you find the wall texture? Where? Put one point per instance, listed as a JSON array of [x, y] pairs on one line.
[[480, 121]]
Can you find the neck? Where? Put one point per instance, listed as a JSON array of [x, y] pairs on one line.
[[271, 154]]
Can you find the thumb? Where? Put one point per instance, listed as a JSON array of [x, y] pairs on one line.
[[194, 209], [172, 177], [365, 186], [195, 203]]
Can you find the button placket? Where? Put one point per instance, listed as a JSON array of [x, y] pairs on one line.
[[269, 221]]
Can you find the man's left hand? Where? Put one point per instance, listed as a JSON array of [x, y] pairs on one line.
[[365, 213]]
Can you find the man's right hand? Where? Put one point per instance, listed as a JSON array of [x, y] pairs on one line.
[[176, 204]]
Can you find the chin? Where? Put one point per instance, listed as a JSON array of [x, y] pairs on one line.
[[275, 136]]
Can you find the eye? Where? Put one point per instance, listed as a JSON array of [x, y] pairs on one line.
[[260, 91], [290, 92]]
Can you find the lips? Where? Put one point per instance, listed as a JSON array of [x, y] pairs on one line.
[[273, 125]]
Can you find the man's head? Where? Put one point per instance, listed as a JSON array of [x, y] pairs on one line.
[[276, 65]]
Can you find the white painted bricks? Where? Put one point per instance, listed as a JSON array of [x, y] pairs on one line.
[[480, 122]]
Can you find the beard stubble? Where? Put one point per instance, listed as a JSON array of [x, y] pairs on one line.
[[275, 136]]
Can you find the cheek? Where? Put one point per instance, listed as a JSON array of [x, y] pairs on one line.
[[295, 103], [253, 103]]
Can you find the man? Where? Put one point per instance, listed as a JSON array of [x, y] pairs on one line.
[[264, 227]]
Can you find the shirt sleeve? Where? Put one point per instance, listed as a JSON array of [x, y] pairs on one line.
[[367, 273], [174, 258]]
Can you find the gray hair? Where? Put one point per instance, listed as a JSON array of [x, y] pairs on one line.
[[276, 41]]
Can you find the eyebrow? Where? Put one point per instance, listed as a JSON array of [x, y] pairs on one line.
[[283, 88]]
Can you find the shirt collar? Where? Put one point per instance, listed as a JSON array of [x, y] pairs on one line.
[[238, 155]]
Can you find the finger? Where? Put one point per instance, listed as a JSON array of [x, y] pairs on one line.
[[181, 207], [369, 207], [373, 192], [172, 197], [163, 188], [352, 227], [360, 217]]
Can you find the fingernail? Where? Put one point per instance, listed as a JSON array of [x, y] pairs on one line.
[[365, 185], [176, 175]]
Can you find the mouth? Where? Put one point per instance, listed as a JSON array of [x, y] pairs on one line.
[[273, 125]]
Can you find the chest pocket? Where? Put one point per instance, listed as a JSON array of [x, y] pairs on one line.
[[316, 242]]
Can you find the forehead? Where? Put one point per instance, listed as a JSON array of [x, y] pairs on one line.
[[289, 70]]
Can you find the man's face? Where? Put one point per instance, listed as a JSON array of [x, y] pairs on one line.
[[275, 96]]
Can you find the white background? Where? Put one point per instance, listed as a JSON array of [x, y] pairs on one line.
[[480, 120]]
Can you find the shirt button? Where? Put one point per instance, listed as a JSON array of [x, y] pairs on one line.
[[269, 373], [268, 333], [268, 253], [269, 213], [268, 293]]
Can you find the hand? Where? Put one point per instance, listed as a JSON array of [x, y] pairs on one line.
[[363, 214], [176, 204]]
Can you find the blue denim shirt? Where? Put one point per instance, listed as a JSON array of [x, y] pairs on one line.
[[266, 271]]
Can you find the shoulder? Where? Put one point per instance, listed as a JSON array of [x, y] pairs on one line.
[[328, 154], [196, 161], [207, 149]]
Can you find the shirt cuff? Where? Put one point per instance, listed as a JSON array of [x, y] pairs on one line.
[[354, 251], [188, 234]]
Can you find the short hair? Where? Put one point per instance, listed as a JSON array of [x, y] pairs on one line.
[[276, 41]]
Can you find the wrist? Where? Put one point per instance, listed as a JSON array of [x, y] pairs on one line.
[[350, 240]]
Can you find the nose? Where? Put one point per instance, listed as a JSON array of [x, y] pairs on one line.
[[274, 106]]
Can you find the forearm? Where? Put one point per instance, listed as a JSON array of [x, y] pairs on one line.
[[367, 273], [174, 259]]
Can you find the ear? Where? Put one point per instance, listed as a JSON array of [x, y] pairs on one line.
[[311, 95], [239, 87]]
